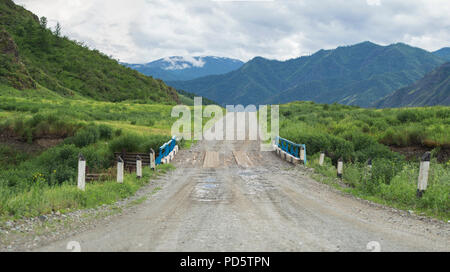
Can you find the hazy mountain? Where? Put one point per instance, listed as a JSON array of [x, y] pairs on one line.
[[32, 55], [433, 89], [186, 68], [360, 74], [443, 53]]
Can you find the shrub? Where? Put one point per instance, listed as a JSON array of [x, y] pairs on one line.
[[383, 170], [86, 136], [407, 116], [60, 160], [129, 142], [415, 136], [154, 142], [105, 132]]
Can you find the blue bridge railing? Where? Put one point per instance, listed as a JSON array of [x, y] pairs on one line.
[[165, 150], [291, 147]]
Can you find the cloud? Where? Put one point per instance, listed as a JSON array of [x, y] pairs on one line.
[[374, 2], [183, 62], [143, 30]]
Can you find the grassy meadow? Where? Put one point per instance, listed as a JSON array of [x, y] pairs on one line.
[[358, 134], [42, 133]]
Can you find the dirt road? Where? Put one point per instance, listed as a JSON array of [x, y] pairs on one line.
[[229, 196]]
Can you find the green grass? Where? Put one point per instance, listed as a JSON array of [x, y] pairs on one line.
[[399, 192], [43, 199], [357, 134]]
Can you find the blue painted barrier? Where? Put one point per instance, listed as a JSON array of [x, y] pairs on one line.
[[165, 150], [290, 147]]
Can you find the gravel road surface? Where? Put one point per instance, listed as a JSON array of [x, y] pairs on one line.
[[229, 196]]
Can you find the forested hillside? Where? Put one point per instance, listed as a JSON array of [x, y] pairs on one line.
[[355, 75], [443, 53], [432, 90], [31, 54]]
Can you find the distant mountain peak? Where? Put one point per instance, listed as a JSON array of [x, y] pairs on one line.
[[183, 62], [176, 68], [443, 53], [366, 43]]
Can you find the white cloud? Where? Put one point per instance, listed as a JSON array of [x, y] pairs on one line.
[[183, 62], [374, 2], [143, 30]]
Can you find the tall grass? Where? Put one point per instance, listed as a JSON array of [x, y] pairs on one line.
[[43, 199], [395, 184], [357, 135]]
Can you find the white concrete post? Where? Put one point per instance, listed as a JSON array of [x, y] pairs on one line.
[[120, 170], [340, 168], [302, 155], [152, 159], [423, 174], [81, 173], [322, 158], [138, 167]]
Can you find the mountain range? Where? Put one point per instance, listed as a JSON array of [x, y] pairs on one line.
[[360, 74], [432, 90], [186, 68]]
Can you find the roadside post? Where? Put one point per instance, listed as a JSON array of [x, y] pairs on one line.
[[138, 167], [120, 170], [340, 167], [81, 172], [152, 159], [423, 174], [369, 164], [302, 155], [368, 169], [322, 158]]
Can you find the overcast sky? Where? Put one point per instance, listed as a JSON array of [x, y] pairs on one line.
[[139, 31]]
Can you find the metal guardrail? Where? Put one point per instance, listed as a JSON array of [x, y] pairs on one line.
[[165, 150], [291, 147]]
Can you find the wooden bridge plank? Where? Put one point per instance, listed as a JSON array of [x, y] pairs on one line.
[[211, 160]]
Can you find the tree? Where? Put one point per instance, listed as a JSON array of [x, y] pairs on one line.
[[43, 21], [44, 35], [57, 31]]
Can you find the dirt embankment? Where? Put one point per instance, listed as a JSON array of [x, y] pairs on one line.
[[414, 153], [37, 146]]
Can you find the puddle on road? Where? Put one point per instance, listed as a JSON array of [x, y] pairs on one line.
[[210, 179], [255, 182], [208, 189]]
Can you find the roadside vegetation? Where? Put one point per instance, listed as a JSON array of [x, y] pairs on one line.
[[357, 135], [38, 179]]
